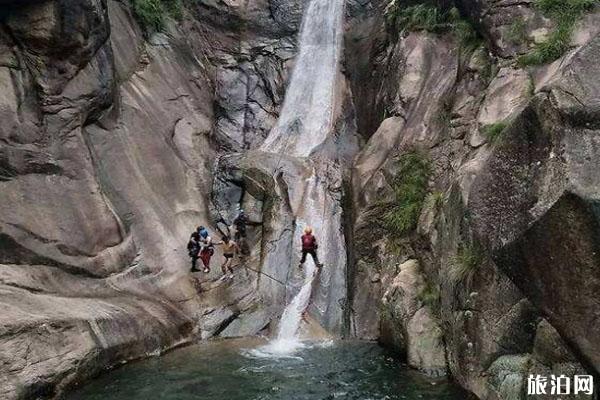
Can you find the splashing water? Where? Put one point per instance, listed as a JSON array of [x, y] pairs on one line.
[[287, 341]]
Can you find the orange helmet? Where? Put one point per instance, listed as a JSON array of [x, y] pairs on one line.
[[308, 230]]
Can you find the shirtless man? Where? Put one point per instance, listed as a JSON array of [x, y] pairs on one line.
[[230, 249]]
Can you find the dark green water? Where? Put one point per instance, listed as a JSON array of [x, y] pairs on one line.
[[224, 370]]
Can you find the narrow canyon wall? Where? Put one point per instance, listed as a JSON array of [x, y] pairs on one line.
[[108, 141], [497, 278]]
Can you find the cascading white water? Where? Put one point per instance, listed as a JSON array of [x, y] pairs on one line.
[[305, 122], [308, 109], [287, 339], [315, 202]]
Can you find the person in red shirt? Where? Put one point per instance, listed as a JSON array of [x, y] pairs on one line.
[[309, 246]]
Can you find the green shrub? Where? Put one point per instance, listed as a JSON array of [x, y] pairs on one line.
[[466, 34], [422, 17], [152, 14], [465, 263], [493, 131], [517, 32], [444, 115], [436, 199], [430, 297], [430, 18], [488, 69], [410, 188], [530, 89], [174, 8], [565, 14]]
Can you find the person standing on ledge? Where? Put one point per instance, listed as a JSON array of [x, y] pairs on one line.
[[230, 249], [207, 250], [309, 246], [194, 247], [240, 222]]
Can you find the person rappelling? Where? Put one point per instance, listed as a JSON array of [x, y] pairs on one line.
[[309, 246], [201, 246]]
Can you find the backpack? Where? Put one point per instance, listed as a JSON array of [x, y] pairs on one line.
[[193, 247], [309, 242]]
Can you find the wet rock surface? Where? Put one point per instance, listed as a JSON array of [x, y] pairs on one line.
[[108, 138]]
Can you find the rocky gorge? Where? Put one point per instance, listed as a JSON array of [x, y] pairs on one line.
[[455, 191]]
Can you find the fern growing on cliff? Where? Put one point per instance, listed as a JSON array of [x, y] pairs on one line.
[[152, 14], [401, 215], [565, 14], [419, 17], [430, 18], [494, 131], [430, 296], [464, 264]]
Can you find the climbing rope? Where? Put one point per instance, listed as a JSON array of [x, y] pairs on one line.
[[265, 274]]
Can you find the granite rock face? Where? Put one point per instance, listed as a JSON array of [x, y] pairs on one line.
[[410, 325], [108, 139], [507, 236]]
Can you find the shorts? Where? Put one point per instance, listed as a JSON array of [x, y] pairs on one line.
[[228, 255]]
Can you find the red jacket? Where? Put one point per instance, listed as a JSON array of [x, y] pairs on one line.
[[309, 242]]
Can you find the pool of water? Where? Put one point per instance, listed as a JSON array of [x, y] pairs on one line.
[[235, 370]]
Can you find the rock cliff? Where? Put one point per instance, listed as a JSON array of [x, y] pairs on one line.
[[109, 136], [506, 129]]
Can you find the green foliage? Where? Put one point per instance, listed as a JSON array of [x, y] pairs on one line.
[[494, 131], [517, 32], [421, 17], [564, 8], [430, 18], [565, 14], [410, 188], [465, 263], [436, 199], [152, 14], [487, 68], [530, 90], [466, 34], [430, 297], [444, 117], [174, 8], [549, 50]]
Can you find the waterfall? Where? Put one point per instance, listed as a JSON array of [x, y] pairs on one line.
[[308, 110], [306, 121], [287, 339], [316, 202]]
